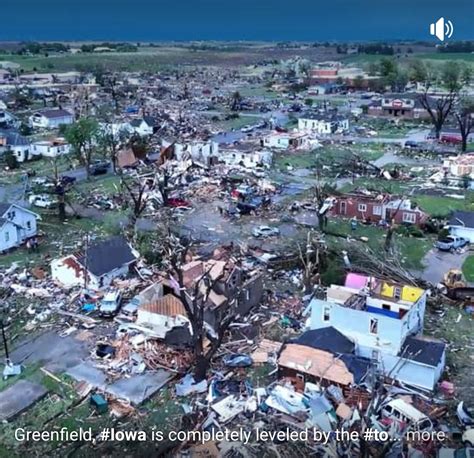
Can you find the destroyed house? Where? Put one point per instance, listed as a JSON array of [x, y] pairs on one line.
[[162, 315], [379, 316], [323, 356], [96, 265], [245, 155], [285, 140], [229, 280], [323, 123]]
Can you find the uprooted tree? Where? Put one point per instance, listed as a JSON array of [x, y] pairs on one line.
[[195, 298]]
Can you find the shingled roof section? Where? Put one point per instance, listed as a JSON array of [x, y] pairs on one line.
[[425, 351], [105, 256], [327, 339]]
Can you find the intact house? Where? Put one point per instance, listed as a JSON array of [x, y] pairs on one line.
[[407, 106], [323, 356], [17, 144], [95, 266], [375, 207], [323, 123], [461, 224], [51, 148], [17, 224], [384, 320], [51, 118]]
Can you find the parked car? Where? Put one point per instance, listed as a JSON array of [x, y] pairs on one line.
[[99, 168], [451, 243], [67, 179], [42, 201], [110, 303], [265, 231]]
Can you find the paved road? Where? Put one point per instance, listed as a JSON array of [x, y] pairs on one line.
[[438, 263]]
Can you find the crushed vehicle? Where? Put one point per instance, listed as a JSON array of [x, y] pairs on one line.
[[265, 231], [465, 414], [402, 411]]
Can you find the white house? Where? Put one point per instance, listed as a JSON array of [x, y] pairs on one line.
[[202, 152], [323, 123], [7, 118], [144, 127], [119, 130], [95, 266], [286, 140], [17, 144], [51, 118], [51, 148], [244, 156], [17, 225], [383, 320], [461, 224]]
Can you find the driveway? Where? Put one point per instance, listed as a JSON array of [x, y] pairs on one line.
[[438, 263]]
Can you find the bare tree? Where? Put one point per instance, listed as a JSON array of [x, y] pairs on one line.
[[310, 257], [464, 117], [136, 193], [195, 299], [439, 108]]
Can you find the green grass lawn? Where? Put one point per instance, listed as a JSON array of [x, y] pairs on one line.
[[377, 184], [468, 269], [441, 206], [99, 185], [412, 249], [58, 239]]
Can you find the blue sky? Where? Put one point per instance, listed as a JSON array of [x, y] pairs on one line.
[[309, 20]]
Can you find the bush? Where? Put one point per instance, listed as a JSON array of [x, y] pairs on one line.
[[11, 160]]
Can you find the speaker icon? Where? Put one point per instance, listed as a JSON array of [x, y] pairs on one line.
[[442, 29]]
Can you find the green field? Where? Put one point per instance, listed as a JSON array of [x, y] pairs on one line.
[[468, 269]]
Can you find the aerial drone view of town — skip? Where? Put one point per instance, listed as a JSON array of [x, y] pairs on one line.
[[224, 248]]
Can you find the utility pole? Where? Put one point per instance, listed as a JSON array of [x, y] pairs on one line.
[[86, 250], [10, 368]]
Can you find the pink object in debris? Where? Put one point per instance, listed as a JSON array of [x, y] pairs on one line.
[[356, 281], [447, 387]]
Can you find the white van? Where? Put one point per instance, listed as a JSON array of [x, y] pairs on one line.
[[400, 410]]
